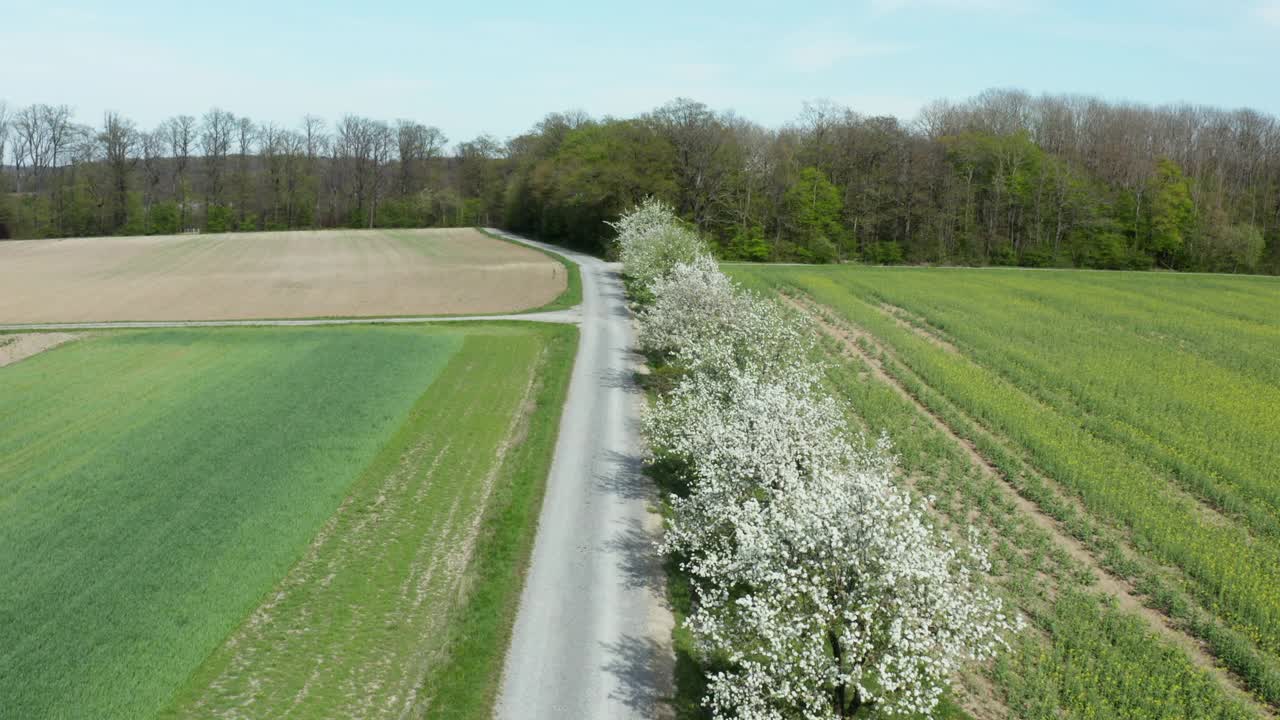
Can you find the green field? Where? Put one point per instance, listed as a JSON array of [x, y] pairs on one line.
[[192, 520], [1141, 415]]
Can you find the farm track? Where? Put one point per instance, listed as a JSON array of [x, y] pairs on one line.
[[592, 637], [556, 316], [850, 337], [22, 346]]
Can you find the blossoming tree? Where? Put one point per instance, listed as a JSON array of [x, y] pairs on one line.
[[651, 241], [816, 576]]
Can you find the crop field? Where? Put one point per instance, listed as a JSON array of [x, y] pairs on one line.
[[300, 274], [1114, 435], [270, 522]]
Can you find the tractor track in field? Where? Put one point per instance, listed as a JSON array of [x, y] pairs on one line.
[[1127, 598], [21, 346], [571, 316]]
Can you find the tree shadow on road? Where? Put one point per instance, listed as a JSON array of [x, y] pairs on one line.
[[627, 479], [641, 564], [642, 667]]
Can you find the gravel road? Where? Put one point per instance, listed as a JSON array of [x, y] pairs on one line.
[[592, 637]]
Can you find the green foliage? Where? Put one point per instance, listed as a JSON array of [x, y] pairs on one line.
[[6, 217], [135, 216], [164, 219], [219, 219], [888, 252], [814, 208], [976, 189], [1002, 254], [1242, 247], [568, 191], [1172, 212], [1104, 249], [415, 211], [748, 244]]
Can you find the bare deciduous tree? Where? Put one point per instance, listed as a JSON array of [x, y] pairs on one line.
[[246, 135], [418, 145], [215, 143], [153, 157], [119, 142], [180, 132], [4, 132]]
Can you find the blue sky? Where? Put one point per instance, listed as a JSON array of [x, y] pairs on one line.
[[498, 67]]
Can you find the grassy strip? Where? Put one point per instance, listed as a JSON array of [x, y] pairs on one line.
[[465, 683], [572, 295]]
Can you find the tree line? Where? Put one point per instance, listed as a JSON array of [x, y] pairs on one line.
[[1005, 178], [222, 173]]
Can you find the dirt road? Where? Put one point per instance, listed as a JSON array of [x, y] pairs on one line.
[[592, 638], [555, 316]]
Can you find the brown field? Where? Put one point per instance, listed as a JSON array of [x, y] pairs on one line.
[[272, 275]]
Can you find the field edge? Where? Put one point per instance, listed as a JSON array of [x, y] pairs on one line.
[[465, 684]]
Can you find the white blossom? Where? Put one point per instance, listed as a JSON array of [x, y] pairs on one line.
[[836, 593], [652, 241], [815, 576], [700, 319], [739, 436]]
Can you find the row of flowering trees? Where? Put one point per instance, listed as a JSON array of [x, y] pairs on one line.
[[817, 581]]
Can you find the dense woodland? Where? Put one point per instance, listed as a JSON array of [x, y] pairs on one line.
[[1005, 178]]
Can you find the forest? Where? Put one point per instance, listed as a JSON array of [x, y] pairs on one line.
[[1004, 178]]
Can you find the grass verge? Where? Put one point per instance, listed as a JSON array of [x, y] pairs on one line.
[[465, 683]]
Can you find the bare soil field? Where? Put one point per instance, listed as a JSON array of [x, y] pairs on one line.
[[272, 275]]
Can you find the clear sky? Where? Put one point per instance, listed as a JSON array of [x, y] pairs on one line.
[[497, 66]]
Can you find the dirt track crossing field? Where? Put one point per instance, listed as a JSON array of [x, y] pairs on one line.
[[20, 346], [272, 275]]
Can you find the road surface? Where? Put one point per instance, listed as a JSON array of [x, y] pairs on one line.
[[592, 637]]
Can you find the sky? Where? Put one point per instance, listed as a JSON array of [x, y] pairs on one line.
[[498, 67]]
